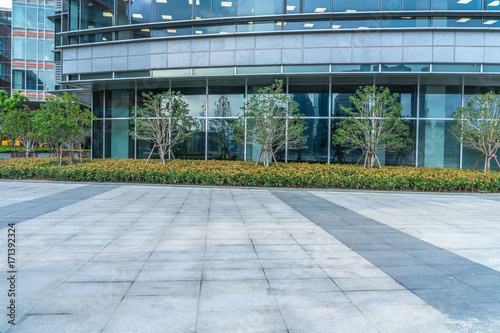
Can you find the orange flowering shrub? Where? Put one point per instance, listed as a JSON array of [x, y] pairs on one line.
[[235, 173]]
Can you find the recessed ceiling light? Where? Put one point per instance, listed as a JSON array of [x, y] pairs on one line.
[[319, 10], [223, 32], [463, 20], [161, 1], [91, 27], [464, 2], [145, 30], [336, 26], [104, 38], [198, 32], [290, 8], [166, 17], [351, 11], [198, 17], [137, 15], [491, 21], [107, 14], [226, 4], [308, 25], [362, 27], [279, 23], [406, 17], [494, 3], [250, 22], [172, 31]]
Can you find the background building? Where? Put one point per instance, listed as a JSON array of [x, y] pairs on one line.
[[433, 54], [5, 43], [32, 48]]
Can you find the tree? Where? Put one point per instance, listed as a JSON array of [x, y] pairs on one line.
[[374, 123], [19, 121], [163, 120], [63, 122], [477, 126], [272, 121]]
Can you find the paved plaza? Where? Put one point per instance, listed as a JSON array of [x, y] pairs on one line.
[[145, 258]]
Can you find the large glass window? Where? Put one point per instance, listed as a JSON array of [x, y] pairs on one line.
[[312, 100], [97, 132], [203, 9], [119, 103], [316, 6], [74, 12], [259, 7], [97, 13], [19, 15], [31, 80], [491, 5], [293, 7], [117, 142], [18, 79], [49, 47], [317, 143], [461, 22], [416, 4], [407, 98], [122, 12], [32, 17], [356, 6], [404, 22], [195, 147], [31, 45], [259, 26], [221, 141], [437, 146], [196, 98], [223, 8], [226, 101], [18, 47], [98, 103], [439, 101], [456, 5], [392, 5], [356, 24], [49, 25], [216, 29], [171, 11], [307, 25]]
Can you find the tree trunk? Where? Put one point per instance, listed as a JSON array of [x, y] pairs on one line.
[[487, 159]]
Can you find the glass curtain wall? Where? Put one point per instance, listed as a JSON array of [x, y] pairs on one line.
[[427, 109]]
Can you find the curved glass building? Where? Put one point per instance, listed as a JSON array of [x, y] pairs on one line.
[[434, 53]]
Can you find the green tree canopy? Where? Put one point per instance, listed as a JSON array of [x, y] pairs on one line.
[[273, 122], [163, 120], [477, 126], [374, 123]]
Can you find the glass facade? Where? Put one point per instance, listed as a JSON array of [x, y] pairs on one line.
[[427, 110], [32, 48], [5, 50]]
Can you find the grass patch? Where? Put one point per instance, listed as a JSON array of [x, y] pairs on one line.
[[234, 173]]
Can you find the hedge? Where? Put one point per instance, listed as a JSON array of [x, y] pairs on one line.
[[234, 173]]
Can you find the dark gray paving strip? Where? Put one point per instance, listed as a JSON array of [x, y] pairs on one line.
[[459, 288], [26, 210]]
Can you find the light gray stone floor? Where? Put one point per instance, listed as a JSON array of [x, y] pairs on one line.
[[132, 258]]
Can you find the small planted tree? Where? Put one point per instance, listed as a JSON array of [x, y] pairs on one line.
[[477, 126], [374, 123], [163, 120], [221, 129], [273, 122], [64, 122]]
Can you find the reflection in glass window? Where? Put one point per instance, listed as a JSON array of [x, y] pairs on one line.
[[49, 25], [259, 26], [439, 101], [31, 80], [122, 12], [356, 6], [356, 24], [454, 22], [226, 101], [31, 49], [18, 47], [172, 10], [172, 32], [317, 143], [456, 5], [97, 130], [491, 68], [74, 12], [392, 5], [316, 6], [416, 4], [32, 17], [223, 8], [97, 13], [437, 147], [203, 9], [355, 68], [117, 143], [221, 141], [492, 4], [405, 68], [312, 100], [308, 25], [19, 15], [455, 68], [293, 7], [18, 78], [259, 7], [118, 103], [141, 11], [406, 21], [216, 29]]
